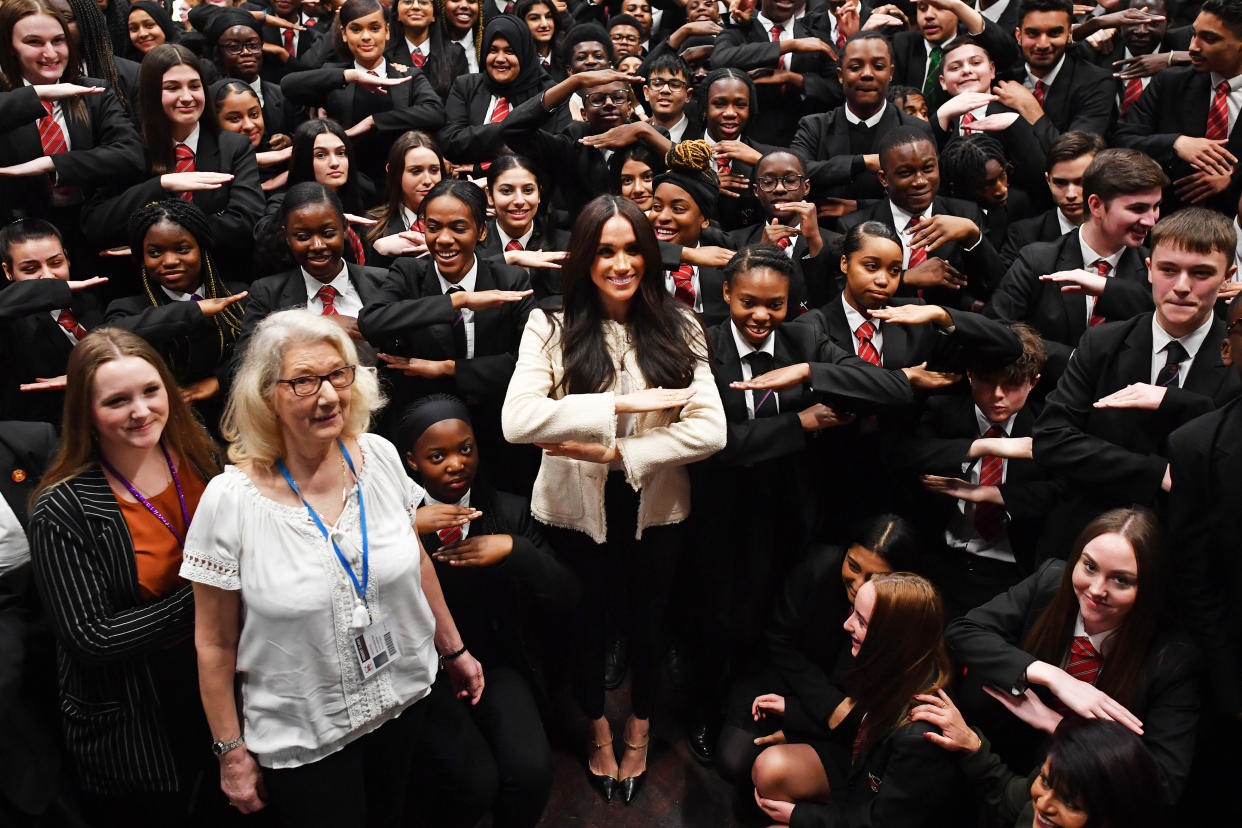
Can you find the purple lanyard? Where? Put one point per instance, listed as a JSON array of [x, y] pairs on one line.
[[185, 513]]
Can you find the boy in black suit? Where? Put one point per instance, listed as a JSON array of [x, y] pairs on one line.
[[1057, 90], [1095, 273], [668, 92], [1105, 428], [990, 497], [1068, 160], [1186, 117], [43, 314]]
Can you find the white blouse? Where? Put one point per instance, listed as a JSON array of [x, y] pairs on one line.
[[303, 695]]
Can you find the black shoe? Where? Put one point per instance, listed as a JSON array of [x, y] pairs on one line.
[[630, 786], [616, 663], [679, 668], [605, 784], [702, 742]]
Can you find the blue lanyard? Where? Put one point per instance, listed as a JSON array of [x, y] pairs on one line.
[[360, 588]]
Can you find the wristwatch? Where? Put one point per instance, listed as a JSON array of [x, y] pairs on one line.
[[221, 748]]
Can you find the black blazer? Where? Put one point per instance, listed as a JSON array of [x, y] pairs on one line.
[[83, 559], [748, 47], [1061, 318], [814, 279], [305, 43], [940, 445], [232, 211], [1176, 103], [398, 51], [986, 643], [1022, 148], [35, 346], [104, 148], [835, 172], [1081, 99], [545, 281], [1117, 456], [1205, 508], [1045, 227], [981, 265], [465, 138], [413, 105], [910, 56]]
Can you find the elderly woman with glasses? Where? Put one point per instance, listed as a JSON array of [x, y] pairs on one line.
[[310, 585]]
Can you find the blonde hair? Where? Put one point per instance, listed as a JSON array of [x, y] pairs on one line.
[[250, 423]]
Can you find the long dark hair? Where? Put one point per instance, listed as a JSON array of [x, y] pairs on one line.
[[302, 160], [11, 13], [438, 68], [558, 24], [509, 161], [467, 192], [1122, 665], [903, 653], [662, 331], [887, 535], [350, 11], [96, 45], [227, 322], [394, 195], [156, 131], [1105, 770]]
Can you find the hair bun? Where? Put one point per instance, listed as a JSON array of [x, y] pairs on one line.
[[691, 157]]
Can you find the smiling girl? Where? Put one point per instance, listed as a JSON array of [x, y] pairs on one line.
[[415, 165], [520, 224], [415, 38]]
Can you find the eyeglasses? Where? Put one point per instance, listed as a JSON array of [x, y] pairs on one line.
[[310, 384], [234, 49], [597, 99], [624, 38], [791, 181], [414, 2], [672, 83]]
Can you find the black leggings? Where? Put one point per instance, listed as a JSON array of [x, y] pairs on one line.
[[643, 571], [363, 785]]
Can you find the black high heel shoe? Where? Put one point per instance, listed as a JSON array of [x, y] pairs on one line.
[[630, 784], [602, 782]]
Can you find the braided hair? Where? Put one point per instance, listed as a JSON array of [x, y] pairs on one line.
[[690, 167], [694, 156], [117, 16], [228, 322], [703, 91], [755, 256], [964, 162], [97, 45]]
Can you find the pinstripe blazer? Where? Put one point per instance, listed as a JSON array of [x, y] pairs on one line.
[[84, 566]]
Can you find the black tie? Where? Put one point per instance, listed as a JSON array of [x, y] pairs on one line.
[[765, 401], [459, 327], [1175, 355]]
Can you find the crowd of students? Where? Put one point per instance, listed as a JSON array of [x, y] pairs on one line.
[[383, 383]]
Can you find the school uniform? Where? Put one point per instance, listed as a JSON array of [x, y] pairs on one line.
[[814, 280], [1047, 226], [399, 109], [1176, 39], [1078, 96], [980, 263], [914, 66], [37, 345], [752, 46], [987, 643], [1022, 149], [469, 133], [414, 316], [539, 236], [1062, 318], [232, 210], [440, 76], [302, 53], [735, 213], [834, 143], [1176, 103], [1115, 457]]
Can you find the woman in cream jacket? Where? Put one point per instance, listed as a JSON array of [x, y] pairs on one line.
[[617, 390]]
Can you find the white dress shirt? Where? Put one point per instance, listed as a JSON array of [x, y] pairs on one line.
[[257, 86], [467, 284], [961, 533], [901, 220], [994, 11], [523, 239], [467, 42], [178, 296], [745, 349], [428, 500], [14, 548], [347, 301], [381, 69], [1048, 79], [1065, 224], [423, 48], [1191, 342], [1234, 100], [786, 35], [868, 122], [1089, 258], [855, 319], [671, 286], [58, 115]]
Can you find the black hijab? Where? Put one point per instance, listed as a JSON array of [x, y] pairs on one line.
[[172, 32], [531, 79]]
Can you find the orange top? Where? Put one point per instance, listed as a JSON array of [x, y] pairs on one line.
[[157, 554]]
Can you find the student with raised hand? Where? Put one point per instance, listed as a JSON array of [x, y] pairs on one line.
[[415, 165], [892, 775], [505, 588], [790, 221], [187, 156], [1094, 273], [1085, 637], [964, 270], [451, 321], [44, 312], [1130, 383], [807, 650], [521, 232], [1068, 160], [375, 99], [617, 422], [1186, 116], [840, 144], [1094, 773], [186, 309], [416, 38], [478, 104], [106, 542], [62, 135]]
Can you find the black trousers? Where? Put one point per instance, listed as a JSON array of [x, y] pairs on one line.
[[643, 570], [363, 785]]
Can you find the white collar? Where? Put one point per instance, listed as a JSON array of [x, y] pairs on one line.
[[901, 219], [191, 140], [464, 500], [1192, 341], [381, 69], [1099, 640], [854, 318], [994, 11], [679, 129], [1051, 77], [257, 86], [1065, 224], [423, 48], [409, 216], [340, 282], [870, 122], [467, 281], [1091, 255], [178, 296], [505, 238], [767, 24], [745, 349], [1235, 83], [984, 423]]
